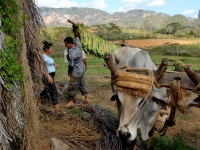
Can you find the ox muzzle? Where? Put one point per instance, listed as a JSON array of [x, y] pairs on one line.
[[124, 133]]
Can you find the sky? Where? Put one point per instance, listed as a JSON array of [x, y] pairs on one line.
[[188, 8]]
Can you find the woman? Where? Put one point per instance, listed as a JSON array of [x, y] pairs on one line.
[[48, 75]]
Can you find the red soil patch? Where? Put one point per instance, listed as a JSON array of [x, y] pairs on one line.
[[144, 43]]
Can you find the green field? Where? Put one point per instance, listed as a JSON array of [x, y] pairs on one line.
[[96, 65], [95, 68]]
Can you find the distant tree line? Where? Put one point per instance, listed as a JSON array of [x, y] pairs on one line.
[[112, 31], [178, 30]]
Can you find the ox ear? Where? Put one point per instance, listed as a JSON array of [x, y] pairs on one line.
[[158, 97]]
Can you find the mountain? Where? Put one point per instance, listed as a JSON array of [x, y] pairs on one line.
[[136, 18], [59, 16]]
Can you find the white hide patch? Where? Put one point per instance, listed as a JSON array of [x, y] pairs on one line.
[[148, 119], [130, 113]]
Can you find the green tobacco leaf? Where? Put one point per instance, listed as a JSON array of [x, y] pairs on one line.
[[94, 44]]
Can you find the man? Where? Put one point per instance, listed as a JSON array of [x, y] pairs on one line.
[[83, 57], [76, 68]]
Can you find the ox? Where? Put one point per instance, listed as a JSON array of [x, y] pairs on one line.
[[133, 111]]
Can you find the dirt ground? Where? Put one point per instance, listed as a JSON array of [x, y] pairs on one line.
[[144, 43], [99, 94]]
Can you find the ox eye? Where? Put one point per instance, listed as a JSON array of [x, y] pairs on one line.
[[141, 102]]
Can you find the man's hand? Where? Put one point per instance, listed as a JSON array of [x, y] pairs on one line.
[[75, 28]]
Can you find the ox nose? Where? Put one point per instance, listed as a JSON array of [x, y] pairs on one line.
[[124, 133]]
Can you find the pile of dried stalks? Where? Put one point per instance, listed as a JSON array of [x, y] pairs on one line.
[[95, 130]]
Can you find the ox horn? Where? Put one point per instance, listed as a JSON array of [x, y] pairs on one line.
[[192, 74], [162, 68], [110, 63]]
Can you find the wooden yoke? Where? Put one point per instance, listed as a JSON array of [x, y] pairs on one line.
[[174, 90], [166, 117], [192, 74], [194, 77], [179, 82], [177, 97], [162, 68]]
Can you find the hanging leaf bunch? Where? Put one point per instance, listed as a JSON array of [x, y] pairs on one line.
[[93, 43]]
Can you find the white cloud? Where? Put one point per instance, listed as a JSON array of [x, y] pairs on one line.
[[195, 16], [56, 3], [45, 2], [189, 11], [132, 1], [99, 4], [120, 9], [127, 7], [157, 3], [130, 4]]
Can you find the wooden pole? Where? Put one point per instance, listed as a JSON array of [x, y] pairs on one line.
[[70, 21]]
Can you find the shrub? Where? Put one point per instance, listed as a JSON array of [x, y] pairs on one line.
[[166, 143]]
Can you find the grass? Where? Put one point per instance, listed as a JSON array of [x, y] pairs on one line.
[[95, 68], [166, 143], [61, 73], [169, 143], [176, 49], [76, 112], [193, 61], [184, 117]]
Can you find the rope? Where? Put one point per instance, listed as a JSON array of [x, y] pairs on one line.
[[134, 83], [152, 81]]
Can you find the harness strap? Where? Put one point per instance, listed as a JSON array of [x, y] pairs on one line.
[[150, 72]]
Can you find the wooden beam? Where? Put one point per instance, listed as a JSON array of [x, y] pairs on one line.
[[169, 76]]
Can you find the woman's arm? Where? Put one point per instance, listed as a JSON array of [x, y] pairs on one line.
[[56, 66], [49, 78]]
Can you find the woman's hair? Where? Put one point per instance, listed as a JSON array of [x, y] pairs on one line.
[[46, 45]]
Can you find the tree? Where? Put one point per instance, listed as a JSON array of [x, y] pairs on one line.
[[20, 61], [114, 28], [173, 27]]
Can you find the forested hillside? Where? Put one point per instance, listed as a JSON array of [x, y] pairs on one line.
[[138, 19]]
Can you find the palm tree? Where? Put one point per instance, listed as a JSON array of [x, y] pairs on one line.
[[18, 119]]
